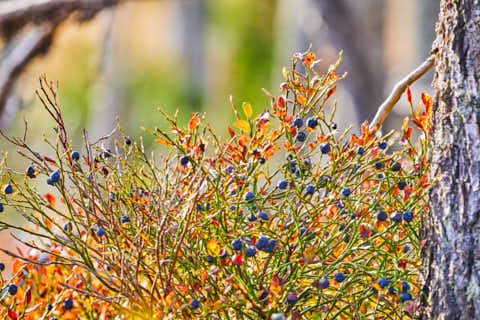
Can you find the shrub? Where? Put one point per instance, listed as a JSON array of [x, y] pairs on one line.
[[288, 217]]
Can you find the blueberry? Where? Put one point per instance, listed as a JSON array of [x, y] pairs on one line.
[[2, 266], [341, 228], [325, 148], [249, 196], [251, 217], [49, 308], [263, 215], [261, 160], [301, 136], [408, 216], [125, 219], [402, 184], [271, 245], [382, 145], [324, 284], [405, 297], [381, 216], [405, 286], [262, 242], [379, 165], [292, 298], [128, 141], [391, 290], [237, 244], [383, 282], [12, 289], [106, 154], [250, 252], [310, 189], [380, 176], [406, 248], [346, 192], [55, 177], [184, 160], [30, 171], [298, 122], [282, 185], [339, 277], [255, 152], [1, 207], [100, 232], [395, 166], [68, 304], [396, 217], [230, 169], [360, 150], [53, 318], [209, 259], [67, 226], [263, 295], [75, 155], [8, 189], [312, 123], [194, 304], [307, 163], [233, 207], [334, 126]]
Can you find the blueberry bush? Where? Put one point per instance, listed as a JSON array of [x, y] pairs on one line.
[[290, 216]]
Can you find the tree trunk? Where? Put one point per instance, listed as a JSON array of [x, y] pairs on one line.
[[451, 256]]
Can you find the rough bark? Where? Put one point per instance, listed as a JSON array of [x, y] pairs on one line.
[[451, 256]]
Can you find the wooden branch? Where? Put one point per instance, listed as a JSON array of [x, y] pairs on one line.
[[29, 46], [16, 14], [397, 92]]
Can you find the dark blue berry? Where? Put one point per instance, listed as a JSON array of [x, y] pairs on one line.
[[230, 169], [261, 243], [396, 217], [310, 189], [250, 252], [261, 160], [382, 145], [209, 259], [383, 282], [233, 208], [406, 248], [312, 123], [379, 165], [339, 277], [298, 122], [346, 192], [55, 177], [360, 150], [30, 171], [50, 308], [100, 232], [395, 166], [282, 185], [301, 136], [325, 148], [249, 196], [334, 126], [271, 245], [125, 219], [128, 141], [324, 284], [8, 189], [402, 184], [381, 216], [408, 216], [68, 304], [2, 266], [1, 207], [405, 286], [194, 304], [184, 160], [12, 289], [75, 155], [405, 297], [391, 290], [263, 215], [251, 217], [67, 226], [341, 228], [255, 152], [237, 244]]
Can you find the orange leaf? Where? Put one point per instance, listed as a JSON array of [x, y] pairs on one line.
[[301, 99], [50, 198], [276, 285], [242, 125], [193, 123], [164, 142], [247, 109], [309, 58]]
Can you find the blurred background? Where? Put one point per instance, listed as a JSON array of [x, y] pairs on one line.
[[129, 58]]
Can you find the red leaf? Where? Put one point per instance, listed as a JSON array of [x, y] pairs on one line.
[[28, 295], [409, 95], [12, 314]]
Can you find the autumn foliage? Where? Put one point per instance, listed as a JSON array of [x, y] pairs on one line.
[[289, 216]]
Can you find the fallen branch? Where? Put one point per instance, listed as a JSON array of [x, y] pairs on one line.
[[397, 92]]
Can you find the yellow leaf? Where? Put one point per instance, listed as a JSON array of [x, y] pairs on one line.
[[285, 73], [242, 125], [165, 142], [247, 109], [213, 247]]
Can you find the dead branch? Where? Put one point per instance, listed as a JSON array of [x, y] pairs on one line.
[[397, 92]]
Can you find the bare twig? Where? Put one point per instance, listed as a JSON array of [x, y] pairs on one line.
[[29, 46], [397, 92]]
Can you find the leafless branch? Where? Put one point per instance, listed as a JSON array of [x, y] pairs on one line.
[[398, 90]]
